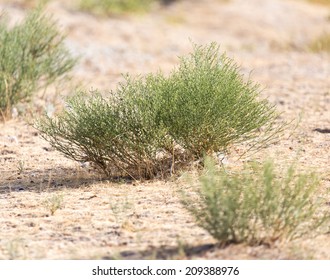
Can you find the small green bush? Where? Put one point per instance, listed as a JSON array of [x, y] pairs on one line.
[[257, 206], [53, 203], [152, 124], [33, 55]]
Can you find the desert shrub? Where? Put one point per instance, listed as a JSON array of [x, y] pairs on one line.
[[256, 206], [151, 124], [113, 133], [207, 105], [321, 44], [33, 55]]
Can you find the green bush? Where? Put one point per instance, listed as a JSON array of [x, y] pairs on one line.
[[256, 206], [207, 105], [109, 132], [33, 55], [152, 124]]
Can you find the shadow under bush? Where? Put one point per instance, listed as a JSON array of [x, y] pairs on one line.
[[157, 124]]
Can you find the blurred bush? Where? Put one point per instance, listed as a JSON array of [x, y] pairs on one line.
[[324, 2], [107, 7], [258, 205], [321, 44], [32, 56]]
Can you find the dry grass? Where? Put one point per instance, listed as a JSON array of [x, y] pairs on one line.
[[321, 44]]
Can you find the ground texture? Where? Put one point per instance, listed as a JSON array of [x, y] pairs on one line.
[[100, 219]]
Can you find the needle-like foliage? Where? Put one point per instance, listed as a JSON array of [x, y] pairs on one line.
[[32, 55], [158, 124], [258, 205]]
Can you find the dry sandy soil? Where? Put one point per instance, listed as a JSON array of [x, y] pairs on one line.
[[100, 219]]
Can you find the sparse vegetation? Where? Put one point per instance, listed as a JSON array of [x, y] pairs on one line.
[[324, 2], [119, 7], [321, 44], [257, 206], [54, 203], [16, 249], [137, 130], [21, 166], [121, 210], [33, 56], [151, 125], [107, 7]]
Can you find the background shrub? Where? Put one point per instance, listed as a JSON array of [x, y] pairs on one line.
[[257, 206], [115, 7], [105, 7], [321, 44], [152, 124], [33, 55], [324, 2]]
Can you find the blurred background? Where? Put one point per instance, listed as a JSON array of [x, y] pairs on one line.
[[112, 37]]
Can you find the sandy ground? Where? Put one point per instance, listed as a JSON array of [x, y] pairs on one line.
[[99, 219]]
